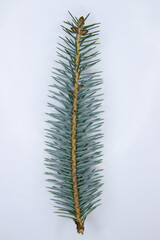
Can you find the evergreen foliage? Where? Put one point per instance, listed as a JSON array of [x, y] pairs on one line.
[[88, 123]]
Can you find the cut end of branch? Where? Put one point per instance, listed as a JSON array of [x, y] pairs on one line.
[[80, 227]]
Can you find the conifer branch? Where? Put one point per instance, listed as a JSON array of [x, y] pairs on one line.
[[74, 134]]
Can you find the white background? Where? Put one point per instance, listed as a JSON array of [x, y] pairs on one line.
[[130, 54]]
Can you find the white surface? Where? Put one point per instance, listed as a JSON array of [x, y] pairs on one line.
[[130, 46]]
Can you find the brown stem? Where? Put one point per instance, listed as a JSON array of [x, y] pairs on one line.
[[79, 221]]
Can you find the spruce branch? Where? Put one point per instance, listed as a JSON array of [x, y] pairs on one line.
[[74, 134]]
